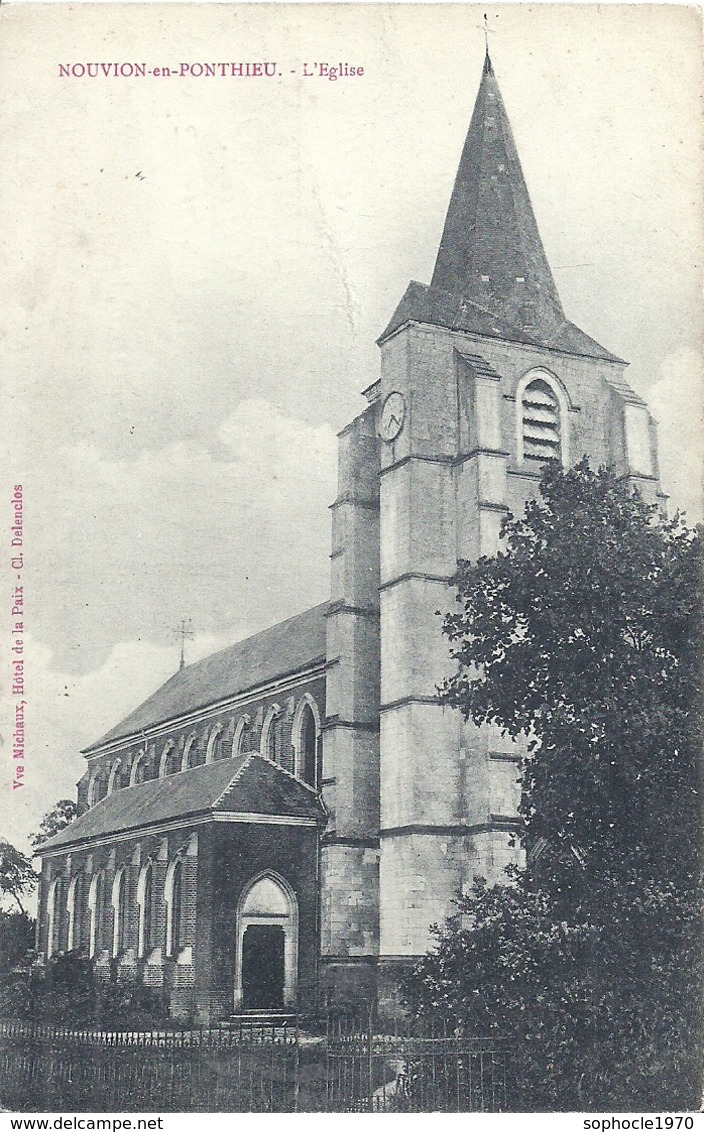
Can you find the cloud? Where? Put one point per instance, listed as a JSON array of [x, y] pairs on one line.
[[260, 438], [242, 541], [232, 535]]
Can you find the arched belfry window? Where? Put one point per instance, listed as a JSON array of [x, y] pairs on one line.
[[541, 420]]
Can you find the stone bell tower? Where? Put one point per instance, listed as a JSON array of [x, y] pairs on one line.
[[483, 379]]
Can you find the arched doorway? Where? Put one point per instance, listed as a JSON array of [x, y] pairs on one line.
[[266, 962]]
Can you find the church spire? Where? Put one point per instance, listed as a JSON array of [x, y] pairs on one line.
[[491, 252], [492, 277]]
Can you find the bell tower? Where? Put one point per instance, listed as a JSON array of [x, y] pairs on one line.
[[483, 379]]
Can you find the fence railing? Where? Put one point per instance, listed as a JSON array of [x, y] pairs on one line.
[[241, 1031], [422, 1067], [241, 1068], [251, 1066]]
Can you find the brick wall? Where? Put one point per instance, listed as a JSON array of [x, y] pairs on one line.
[[217, 862], [216, 730]]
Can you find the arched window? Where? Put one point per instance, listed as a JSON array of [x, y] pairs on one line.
[[120, 912], [146, 910], [196, 751], [95, 903], [53, 934], [541, 419], [239, 737], [273, 744], [115, 779], [173, 896], [145, 899], [245, 740], [74, 913], [306, 734], [272, 735], [188, 757], [309, 747], [166, 763], [98, 788], [212, 751], [91, 796], [139, 769]]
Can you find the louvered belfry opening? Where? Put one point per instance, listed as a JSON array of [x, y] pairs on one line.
[[541, 422]]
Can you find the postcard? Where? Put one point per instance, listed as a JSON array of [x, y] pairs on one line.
[[300, 302]]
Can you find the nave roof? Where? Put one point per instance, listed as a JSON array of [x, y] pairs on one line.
[[282, 650]]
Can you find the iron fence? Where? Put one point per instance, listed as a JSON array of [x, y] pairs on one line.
[[245, 1066], [421, 1067], [239, 1068]]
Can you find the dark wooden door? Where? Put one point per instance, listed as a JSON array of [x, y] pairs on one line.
[[263, 967]]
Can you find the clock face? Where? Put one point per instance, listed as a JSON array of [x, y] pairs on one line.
[[392, 416]]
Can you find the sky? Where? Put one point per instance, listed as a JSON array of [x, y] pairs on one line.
[[197, 269]]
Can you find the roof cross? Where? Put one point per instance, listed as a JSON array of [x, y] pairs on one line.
[[184, 631], [487, 32]]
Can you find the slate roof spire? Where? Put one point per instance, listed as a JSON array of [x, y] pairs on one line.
[[491, 252], [492, 277]]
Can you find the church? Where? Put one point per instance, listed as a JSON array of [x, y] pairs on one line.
[[276, 828]]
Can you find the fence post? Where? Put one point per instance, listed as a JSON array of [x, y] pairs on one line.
[[370, 1059], [296, 1070]]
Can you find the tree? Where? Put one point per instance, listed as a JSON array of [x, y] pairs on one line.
[[584, 634], [16, 940], [17, 877], [61, 815]]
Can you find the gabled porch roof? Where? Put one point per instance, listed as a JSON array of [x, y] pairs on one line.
[[249, 785]]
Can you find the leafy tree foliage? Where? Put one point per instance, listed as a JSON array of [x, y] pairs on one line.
[[61, 815], [17, 877], [16, 939], [584, 635], [66, 991]]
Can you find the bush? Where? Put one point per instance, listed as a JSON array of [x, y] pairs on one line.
[[602, 1010], [16, 940], [67, 992]]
